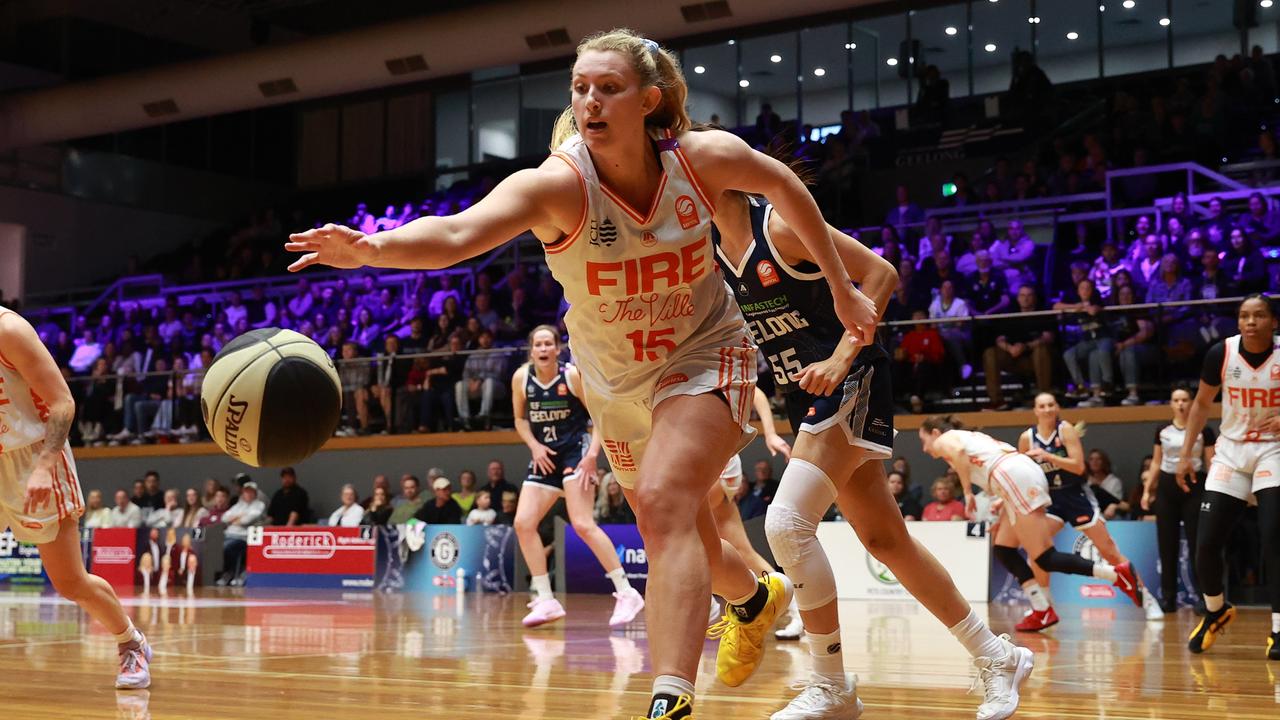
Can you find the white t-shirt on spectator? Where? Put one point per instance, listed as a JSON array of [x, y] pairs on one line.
[[1113, 485], [165, 518], [169, 330], [84, 356], [241, 515], [235, 313], [482, 517], [347, 517], [957, 309], [130, 517]]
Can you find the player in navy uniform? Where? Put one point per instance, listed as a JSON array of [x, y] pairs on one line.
[[552, 420], [839, 399], [1055, 444]]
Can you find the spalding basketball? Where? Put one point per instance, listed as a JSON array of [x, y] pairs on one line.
[[271, 398]]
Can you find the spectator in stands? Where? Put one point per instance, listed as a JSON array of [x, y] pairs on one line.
[[613, 508], [936, 269], [768, 124], [443, 509], [933, 239], [437, 304], [1217, 217], [405, 506], [466, 496], [507, 514], [167, 516], [967, 264], [1023, 347], [416, 340], [170, 328], [920, 355], [125, 514], [379, 481], [378, 508], [354, 372], [235, 310], [1210, 282], [95, 515], [392, 373], [485, 314], [1133, 331], [152, 498], [1098, 473], [907, 505], [482, 377], [986, 290], [299, 306], [955, 334], [221, 503], [1148, 268], [483, 512], [1030, 91], [386, 310], [912, 293], [194, 512], [905, 212], [248, 512], [290, 505], [87, 350], [1170, 287], [1013, 255], [141, 407], [1260, 222], [349, 513], [497, 484], [365, 332], [944, 506], [1092, 348], [261, 311], [438, 403], [1106, 266], [207, 498], [97, 411], [1244, 264]]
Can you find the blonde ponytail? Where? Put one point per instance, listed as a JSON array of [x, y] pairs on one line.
[[656, 66]]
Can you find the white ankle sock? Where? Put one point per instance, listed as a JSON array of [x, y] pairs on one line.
[[1038, 597], [1275, 622], [1214, 603], [976, 637], [541, 586], [742, 600], [1103, 571], [828, 657], [619, 578], [128, 635], [672, 685]]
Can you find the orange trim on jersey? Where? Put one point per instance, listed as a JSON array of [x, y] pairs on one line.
[[744, 395], [653, 207], [1004, 477], [693, 179], [5, 362], [563, 243], [76, 500], [1226, 355], [57, 495]]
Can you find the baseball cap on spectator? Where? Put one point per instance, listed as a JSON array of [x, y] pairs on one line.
[[249, 485], [243, 479], [441, 484]]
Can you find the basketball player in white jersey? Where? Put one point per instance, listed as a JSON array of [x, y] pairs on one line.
[[546, 396], [623, 209], [1246, 461], [1019, 483], [40, 496]]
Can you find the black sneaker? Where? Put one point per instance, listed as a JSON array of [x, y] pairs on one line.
[[1273, 646], [1210, 627]]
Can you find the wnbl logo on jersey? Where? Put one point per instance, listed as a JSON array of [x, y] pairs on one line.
[[605, 233]]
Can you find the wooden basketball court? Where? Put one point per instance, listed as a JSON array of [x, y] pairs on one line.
[[245, 654]]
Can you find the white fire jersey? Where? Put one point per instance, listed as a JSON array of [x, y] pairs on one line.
[[999, 468], [984, 452], [643, 285], [22, 412], [1249, 394]]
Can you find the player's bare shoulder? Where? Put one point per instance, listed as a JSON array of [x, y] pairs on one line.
[[15, 329], [558, 186]]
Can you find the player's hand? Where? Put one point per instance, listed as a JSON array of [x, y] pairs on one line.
[[334, 245], [1184, 474], [1147, 497], [857, 313], [586, 471], [1037, 454], [542, 461], [776, 445], [823, 377], [970, 506], [39, 489], [1267, 426], [997, 504]]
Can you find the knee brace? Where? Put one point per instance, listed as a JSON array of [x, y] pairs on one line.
[[791, 524], [1068, 563], [1013, 561]]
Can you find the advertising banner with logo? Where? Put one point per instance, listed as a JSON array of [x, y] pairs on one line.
[[20, 562], [962, 548], [582, 572], [313, 557], [439, 557], [1137, 540], [114, 556]]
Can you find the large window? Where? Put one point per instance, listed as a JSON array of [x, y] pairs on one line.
[[1202, 31], [999, 31], [943, 38], [1135, 36], [769, 71], [1267, 34], [451, 129], [495, 108], [712, 71], [543, 97], [889, 62], [824, 69], [1067, 39], [864, 51]]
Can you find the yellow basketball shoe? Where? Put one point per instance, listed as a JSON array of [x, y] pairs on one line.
[[742, 640], [682, 708]]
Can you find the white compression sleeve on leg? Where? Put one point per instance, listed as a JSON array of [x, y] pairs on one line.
[[791, 524]]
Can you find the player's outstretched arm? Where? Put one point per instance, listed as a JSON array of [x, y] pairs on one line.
[[547, 200]]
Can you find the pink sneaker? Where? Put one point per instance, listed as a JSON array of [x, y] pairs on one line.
[[629, 605], [543, 611], [135, 666]]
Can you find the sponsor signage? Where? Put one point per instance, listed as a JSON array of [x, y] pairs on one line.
[[332, 557], [860, 576], [582, 570], [459, 557], [114, 557], [1137, 540], [20, 562]]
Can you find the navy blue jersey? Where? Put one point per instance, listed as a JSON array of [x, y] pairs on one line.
[[789, 309], [558, 417], [1057, 477]]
